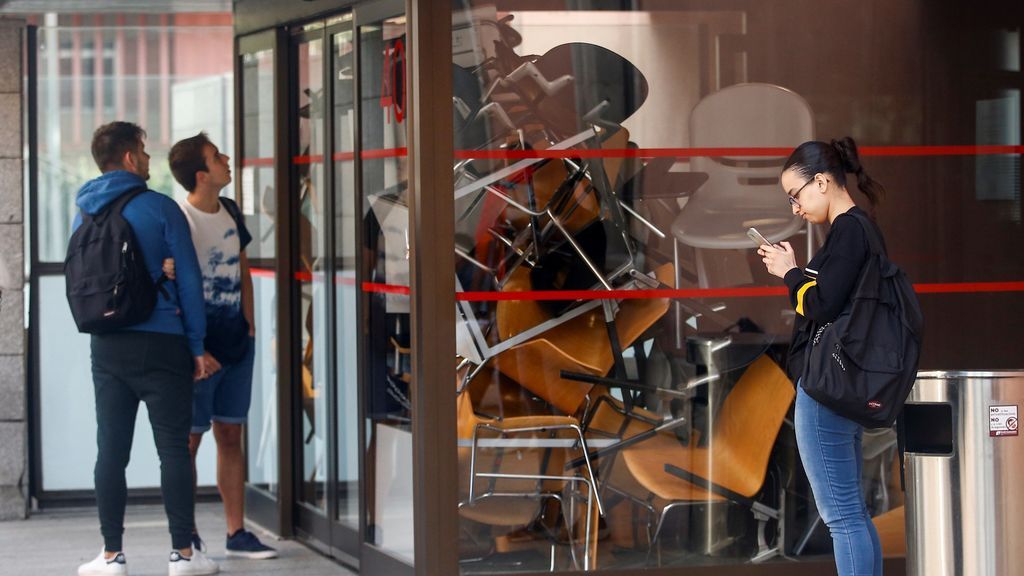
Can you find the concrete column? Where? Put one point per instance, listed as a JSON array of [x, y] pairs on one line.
[[13, 382]]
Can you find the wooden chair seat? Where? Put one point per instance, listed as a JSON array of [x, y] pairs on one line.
[[550, 175], [531, 422], [892, 531], [578, 345], [505, 512], [741, 442], [502, 512], [546, 180]]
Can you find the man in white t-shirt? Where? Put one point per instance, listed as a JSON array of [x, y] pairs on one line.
[[220, 237]]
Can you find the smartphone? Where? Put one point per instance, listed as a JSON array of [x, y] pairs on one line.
[[757, 237]]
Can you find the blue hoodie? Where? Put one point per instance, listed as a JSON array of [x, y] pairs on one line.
[[162, 232]]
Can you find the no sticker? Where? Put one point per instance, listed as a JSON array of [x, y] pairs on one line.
[[1002, 420]]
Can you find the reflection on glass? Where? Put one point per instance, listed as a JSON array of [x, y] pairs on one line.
[[672, 408], [258, 207], [385, 215], [308, 173], [346, 243], [90, 74]]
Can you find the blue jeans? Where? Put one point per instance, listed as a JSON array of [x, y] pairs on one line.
[[830, 449]]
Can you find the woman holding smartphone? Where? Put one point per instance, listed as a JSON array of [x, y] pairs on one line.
[[814, 179]]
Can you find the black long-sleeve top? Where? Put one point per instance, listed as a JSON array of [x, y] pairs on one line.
[[821, 291]]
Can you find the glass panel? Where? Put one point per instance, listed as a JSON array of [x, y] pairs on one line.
[[679, 379], [345, 279], [87, 76], [67, 406], [260, 210], [91, 76], [388, 375], [308, 171]]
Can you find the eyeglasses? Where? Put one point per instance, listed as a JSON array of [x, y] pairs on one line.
[[793, 197]]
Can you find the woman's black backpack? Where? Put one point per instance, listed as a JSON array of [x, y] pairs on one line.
[[863, 364], [108, 285]]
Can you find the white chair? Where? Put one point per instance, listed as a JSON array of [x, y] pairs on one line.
[[742, 191]]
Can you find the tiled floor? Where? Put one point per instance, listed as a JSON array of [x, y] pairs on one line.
[[57, 541]]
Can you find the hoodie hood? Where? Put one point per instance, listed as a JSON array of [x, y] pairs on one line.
[[99, 192]]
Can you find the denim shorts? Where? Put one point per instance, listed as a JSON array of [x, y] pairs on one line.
[[225, 396]]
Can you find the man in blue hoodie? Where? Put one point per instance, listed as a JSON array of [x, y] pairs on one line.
[[155, 361]]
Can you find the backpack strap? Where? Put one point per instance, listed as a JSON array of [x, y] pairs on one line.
[[117, 207], [160, 286], [876, 243], [233, 210]]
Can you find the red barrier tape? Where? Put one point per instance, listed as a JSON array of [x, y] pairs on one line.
[[769, 291], [757, 291], [962, 150], [731, 152]]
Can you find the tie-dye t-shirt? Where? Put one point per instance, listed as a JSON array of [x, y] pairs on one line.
[[219, 241]]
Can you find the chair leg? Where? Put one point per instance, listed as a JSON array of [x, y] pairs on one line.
[[657, 534], [590, 533], [569, 517], [799, 549], [702, 271], [763, 551], [675, 303], [594, 492]]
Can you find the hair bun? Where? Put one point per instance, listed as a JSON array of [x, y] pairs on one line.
[[848, 156]]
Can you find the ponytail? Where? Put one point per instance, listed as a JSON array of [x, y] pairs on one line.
[[849, 159], [837, 158]]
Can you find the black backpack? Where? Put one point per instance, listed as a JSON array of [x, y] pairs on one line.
[[863, 364], [108, 285]]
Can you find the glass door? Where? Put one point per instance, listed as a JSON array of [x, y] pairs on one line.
[[348, 330], [258, 201], [325, 328], [345, 471], [387, 379], [310, 346]]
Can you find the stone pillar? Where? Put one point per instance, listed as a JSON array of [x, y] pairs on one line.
[[13, 382]]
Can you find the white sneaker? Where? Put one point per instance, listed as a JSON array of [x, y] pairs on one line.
[[197, 564], [100, 566]]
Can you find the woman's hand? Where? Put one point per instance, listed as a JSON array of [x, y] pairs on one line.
[[778, 260]]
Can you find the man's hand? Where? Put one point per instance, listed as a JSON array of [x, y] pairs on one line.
[[168, 268], [200, 371], [778, 260], [212, 365]]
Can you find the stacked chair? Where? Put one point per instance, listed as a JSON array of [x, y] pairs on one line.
[[558, 421], [546, 224]]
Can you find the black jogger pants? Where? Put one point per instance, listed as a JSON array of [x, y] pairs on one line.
[[128, 367]]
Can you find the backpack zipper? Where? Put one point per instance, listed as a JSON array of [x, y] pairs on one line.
[[817, 335], [124, 255], [837, 358]]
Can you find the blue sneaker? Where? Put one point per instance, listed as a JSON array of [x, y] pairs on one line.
[[245, 544]]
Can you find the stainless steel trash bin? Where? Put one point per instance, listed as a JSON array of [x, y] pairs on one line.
[[965, 475]]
